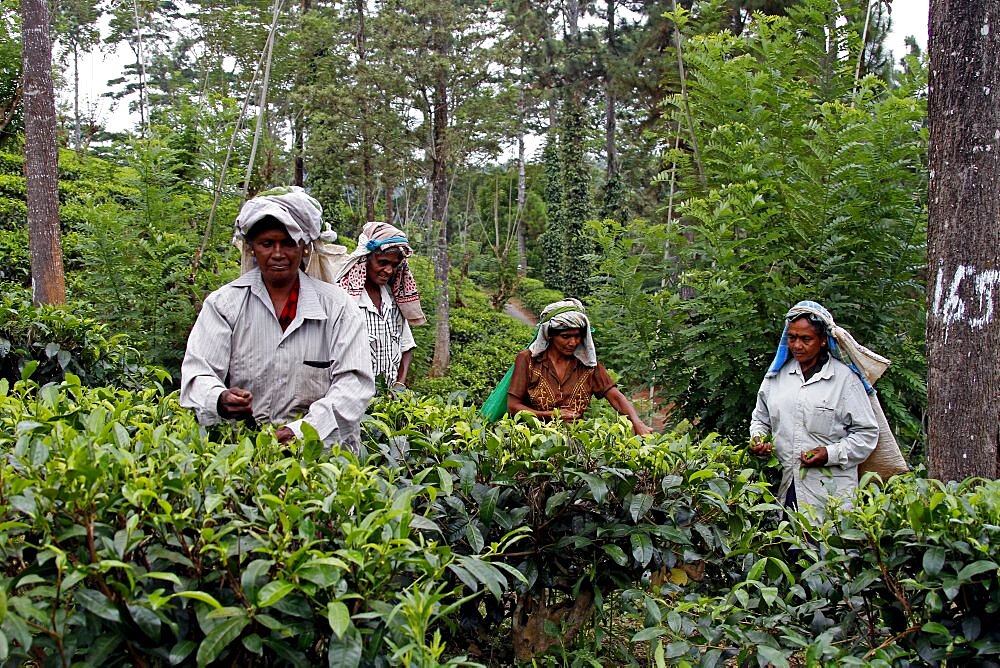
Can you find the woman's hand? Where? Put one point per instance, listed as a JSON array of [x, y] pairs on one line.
[[284, 434], [641, 428], [567, 413], [814, 457], [235, 403], [760, 446]]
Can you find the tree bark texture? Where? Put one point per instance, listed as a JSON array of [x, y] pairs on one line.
[[964, 239], [41, 164], [368, 171], [439, 216], [610, 120], [522, 188]]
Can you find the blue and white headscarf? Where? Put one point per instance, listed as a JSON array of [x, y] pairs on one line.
[[867, 365]]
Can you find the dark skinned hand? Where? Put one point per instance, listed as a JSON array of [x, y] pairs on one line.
[[235, 403], [284, 435], [760, 447], [815, 457]]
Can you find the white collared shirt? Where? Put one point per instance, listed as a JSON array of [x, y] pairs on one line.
[[389, 334], [316, 371], [830, 409]]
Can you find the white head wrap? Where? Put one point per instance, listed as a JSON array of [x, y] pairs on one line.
[[565, 314], [300, 213]]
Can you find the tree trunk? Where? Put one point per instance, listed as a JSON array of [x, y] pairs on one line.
[[522, 251], [439, 214], [963, 240], [390, 188], [41, 164], [610, 120], [77, 134], [368, 172]]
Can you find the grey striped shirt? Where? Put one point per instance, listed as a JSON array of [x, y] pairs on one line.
[[389, 334], [317, 371]]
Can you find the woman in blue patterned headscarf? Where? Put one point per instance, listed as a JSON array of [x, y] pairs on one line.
[[816, 409]]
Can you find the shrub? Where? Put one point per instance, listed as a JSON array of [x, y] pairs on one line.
[[536, 300], [133, 537], [48, 342]]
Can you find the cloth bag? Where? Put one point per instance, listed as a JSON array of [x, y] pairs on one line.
[[886, 459], [495, 406]]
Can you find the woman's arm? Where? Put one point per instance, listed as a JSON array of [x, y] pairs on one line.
[[625, 407]]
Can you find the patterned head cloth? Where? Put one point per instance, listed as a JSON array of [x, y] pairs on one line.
[[565, 314], [378, 238], [867, 365]]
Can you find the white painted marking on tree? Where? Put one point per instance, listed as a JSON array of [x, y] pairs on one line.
[[953, 308]]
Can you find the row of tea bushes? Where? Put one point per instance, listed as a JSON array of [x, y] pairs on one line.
[[132, 536]]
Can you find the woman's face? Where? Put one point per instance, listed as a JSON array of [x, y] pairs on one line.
[[278, 256], [804, 342], [566, 341], [380, 267]]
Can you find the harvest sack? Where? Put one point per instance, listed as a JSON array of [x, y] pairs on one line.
[[886, 459], [495, 406]]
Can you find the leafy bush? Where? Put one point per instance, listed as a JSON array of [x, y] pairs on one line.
[[810, 190], [907, 575], [133, 537], [536, 300], [49, 342]]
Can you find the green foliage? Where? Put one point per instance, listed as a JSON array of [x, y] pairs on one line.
[[812, 191], [536, 300], [129, 236], [46, 343], [906, 576], [553, 240], [576, 201], [483, 343], [132, 534]]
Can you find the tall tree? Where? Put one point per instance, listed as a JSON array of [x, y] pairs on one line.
[[963, 321], [11, 80], [77, 25], [41, 156]]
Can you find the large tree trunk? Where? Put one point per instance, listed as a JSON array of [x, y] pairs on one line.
[[439, 216], [964, 240], [41, 164]]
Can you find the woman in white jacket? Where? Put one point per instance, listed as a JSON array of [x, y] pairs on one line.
[[817, 410]]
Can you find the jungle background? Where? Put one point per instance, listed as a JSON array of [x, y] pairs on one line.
[[704, 165]]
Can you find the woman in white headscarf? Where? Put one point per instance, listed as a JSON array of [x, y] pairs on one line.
[[558, 373], [276, 346], [378, 277]]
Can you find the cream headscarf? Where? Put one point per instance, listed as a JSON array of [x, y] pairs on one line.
[[565, 314], [300, 213]]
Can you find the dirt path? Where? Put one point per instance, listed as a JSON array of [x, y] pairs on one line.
[[514, 309]]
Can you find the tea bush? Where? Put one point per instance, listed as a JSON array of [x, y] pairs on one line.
[[133, 536], [49, 342], [536, 300]]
